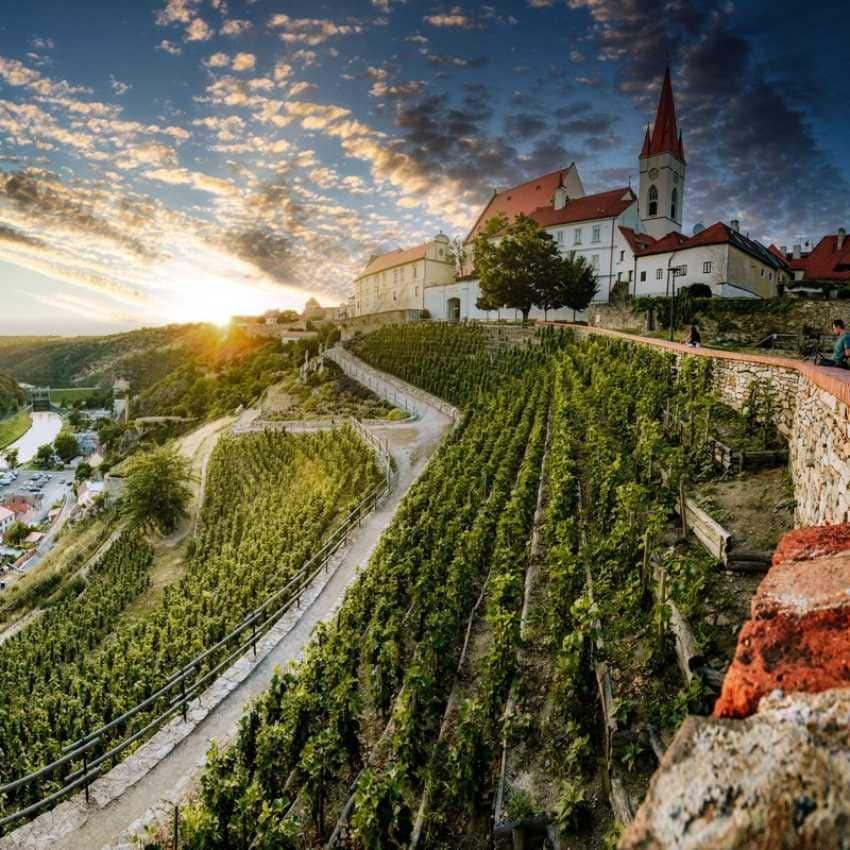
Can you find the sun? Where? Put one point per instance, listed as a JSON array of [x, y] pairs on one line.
[[202, 296]]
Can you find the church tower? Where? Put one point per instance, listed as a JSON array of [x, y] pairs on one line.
[[662, 170]]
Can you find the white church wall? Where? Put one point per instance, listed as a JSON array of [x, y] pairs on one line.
[[467, 292]]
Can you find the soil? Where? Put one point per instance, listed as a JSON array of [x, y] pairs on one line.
[[757, 508]]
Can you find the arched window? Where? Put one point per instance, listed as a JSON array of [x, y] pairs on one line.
[[653, 200], [674, 198]]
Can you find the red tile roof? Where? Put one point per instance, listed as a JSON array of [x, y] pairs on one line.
[[778, 254], [382, 262], [638, 242], [718, 234], [826, 261], [665, 137], [608, 204], [524, 198]]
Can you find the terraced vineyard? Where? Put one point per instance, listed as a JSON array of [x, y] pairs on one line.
[[506, 661], [271, 499]]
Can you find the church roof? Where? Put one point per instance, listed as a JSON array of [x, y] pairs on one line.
[[665, 137], [608, 204], [524, 198], [826, 261]]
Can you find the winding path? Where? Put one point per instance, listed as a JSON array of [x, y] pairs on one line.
[[165, 769]]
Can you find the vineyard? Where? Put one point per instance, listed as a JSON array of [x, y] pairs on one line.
[[507, 660], [270, 501]]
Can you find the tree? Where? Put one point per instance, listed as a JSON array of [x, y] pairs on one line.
[[16, 533], [66, 446], [45, 457], [517, 263], [84, 471], [577, 284], [11, 456], [157, 491]]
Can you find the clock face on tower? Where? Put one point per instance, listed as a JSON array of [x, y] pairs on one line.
[[653, 173]]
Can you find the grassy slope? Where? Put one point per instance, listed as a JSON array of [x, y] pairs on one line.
[[14, 427]]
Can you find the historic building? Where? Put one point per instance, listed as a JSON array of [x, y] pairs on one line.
[[629, 238], [397, 280]]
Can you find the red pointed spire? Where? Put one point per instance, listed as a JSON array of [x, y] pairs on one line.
[[666, 137]]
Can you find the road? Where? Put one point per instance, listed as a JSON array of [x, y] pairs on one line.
[[163, 770], [44, 428]]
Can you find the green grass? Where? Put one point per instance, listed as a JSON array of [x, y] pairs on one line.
[[72, 394], [14, 427]]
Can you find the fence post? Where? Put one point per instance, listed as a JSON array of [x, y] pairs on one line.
[[176, 831], [86, 774]]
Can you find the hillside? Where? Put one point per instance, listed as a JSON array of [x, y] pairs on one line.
[[11, 395], [143, 357]]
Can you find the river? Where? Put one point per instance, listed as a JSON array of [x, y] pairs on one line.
[[44, 429]]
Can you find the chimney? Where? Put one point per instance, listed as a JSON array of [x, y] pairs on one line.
[[784, 250], [735, 225], [560, 199], [842, 235], [796, 252]]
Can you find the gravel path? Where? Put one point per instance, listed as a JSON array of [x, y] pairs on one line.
[[168, 769]]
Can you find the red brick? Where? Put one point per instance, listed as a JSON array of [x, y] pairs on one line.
[[809, 653], [806, 544], [801, 587]]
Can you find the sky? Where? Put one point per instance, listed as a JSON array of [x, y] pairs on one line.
[[180, 160]]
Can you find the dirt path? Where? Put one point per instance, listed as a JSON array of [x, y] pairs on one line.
[[171, 769]]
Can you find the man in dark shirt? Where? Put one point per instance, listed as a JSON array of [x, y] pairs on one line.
[[841, 348]]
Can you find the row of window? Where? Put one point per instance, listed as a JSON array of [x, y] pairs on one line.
[[398, 275], [595, 235]]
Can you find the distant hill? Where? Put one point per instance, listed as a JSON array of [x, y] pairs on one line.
[[143, 357], [11, 395]]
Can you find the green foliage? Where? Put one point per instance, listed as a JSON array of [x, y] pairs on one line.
[[14, 426], [65, 446], [11, 396], [83, 472], [16, 533], [45, 457], [270, 501], [157, 491]]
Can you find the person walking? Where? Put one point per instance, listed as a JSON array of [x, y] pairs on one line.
[[840, 350]]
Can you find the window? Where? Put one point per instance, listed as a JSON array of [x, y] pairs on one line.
[[577, 236], [414, 272], [706, 267], [762, 272], [659, 273], [394, 296], [770, 276], [622, 256], [416, 290], [631, 275], [597, 233], [674, 200], [594, 262], [653, 200], [642, 277], [619, 276], [683, 270], [560, 236]]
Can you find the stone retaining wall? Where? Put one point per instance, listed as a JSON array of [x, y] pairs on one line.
[[771, 768]]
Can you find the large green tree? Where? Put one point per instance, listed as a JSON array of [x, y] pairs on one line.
[[157, 491], [66, 445], [517, 263], [576, 285]]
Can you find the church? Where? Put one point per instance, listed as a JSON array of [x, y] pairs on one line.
[[632, 241]]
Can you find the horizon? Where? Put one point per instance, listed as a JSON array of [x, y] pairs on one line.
[[185, 160]]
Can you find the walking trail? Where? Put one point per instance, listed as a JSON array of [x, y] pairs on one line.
[[169, 766]]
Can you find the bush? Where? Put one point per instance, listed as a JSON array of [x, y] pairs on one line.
[[16, 533], [698, 290]]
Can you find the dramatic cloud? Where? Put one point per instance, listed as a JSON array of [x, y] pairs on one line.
[[310, 31]]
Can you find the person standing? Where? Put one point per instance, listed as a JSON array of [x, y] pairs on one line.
[[840, 350], [694, 338]]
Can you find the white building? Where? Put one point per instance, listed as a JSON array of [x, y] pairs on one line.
[[397, 280], [731, 264], [7, 517]]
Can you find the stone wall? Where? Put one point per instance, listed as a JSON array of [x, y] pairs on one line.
[[724, 319]]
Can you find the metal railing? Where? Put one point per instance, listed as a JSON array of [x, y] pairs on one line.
[[180, 688]]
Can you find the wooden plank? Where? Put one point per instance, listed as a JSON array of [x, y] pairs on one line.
[[709, 532]]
